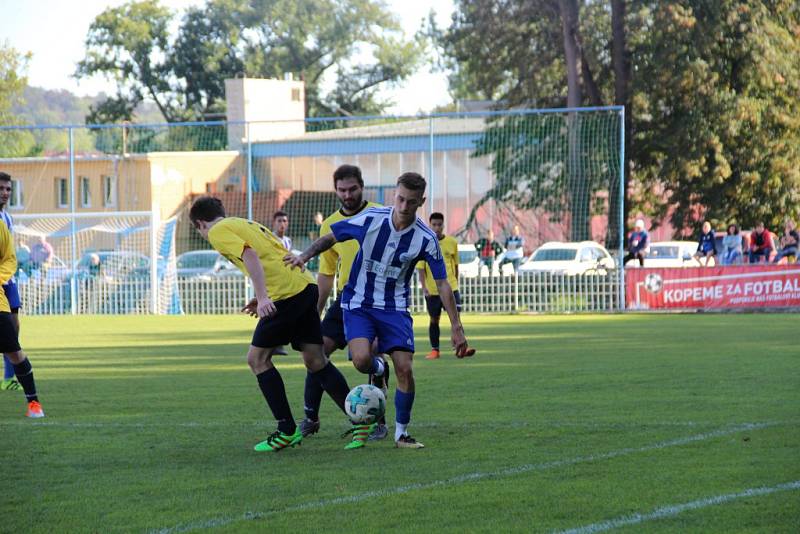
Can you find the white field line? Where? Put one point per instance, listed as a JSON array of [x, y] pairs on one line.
[[675, 509], [460, 479]]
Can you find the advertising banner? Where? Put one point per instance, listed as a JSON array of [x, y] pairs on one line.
[[741, 286]]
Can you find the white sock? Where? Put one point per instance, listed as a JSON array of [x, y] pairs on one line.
[[399, 430]]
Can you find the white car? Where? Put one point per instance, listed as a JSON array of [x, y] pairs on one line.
[[585, 257], [205, 264], [469, 263], [668, 254]]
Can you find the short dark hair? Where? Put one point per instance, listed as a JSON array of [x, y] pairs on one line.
[[5, 177], [436, 216], [206, 208], [413, 181], [279, 213], [347, 171]]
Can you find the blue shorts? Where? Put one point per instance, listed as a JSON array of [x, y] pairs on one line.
[[12, 294], [394, 329]]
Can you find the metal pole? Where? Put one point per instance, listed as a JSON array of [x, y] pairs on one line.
[[73, 283], [430, 164], [155, 222], [249, 173], [621, 249]]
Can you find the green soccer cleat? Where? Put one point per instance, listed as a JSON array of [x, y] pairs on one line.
[[278, 441], [10, 385], [360, 435]]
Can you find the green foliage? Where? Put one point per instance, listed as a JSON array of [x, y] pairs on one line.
[[713, 95], [315, 39], [551, 415], [720, 129], [13, 64]]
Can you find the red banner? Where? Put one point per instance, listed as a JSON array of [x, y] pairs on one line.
[[745, 286]]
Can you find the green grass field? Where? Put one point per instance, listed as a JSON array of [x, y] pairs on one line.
[[559, 422]]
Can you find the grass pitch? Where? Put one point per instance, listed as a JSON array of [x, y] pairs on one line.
[[562, 422]]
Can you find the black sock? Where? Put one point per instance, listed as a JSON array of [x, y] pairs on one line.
[[312, 396], [24, 373], [334, 383], [274, 392], [433, 334]]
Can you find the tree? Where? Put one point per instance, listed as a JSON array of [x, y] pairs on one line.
[[710, 90], [321, 41], [13, 64], [719, 130]]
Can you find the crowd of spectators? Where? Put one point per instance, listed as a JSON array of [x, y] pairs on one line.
[[757, 246]]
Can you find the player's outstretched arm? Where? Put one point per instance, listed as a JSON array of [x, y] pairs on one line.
[[265, 306], [457, 329], [320, 245]]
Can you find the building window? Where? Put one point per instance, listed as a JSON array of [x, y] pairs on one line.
[[16, 200], [62, 193], [296, 95], [86, 192], [109, 191]]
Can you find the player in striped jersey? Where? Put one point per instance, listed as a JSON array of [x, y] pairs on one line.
[[375, 299]]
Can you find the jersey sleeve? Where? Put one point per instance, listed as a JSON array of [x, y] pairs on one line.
[[354, 228], [8, 260], [228, 243], [433, 256], [329, 259]]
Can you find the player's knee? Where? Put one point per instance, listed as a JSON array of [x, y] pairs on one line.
[[313, 358], [16, 357], [362, 361], [435, 319], [257, 359]]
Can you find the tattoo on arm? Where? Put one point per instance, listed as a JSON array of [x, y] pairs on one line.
[[320, 245]]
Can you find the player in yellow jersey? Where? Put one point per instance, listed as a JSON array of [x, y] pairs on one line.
[[9, 340], [433, 302], [335, 263], [286, 305]]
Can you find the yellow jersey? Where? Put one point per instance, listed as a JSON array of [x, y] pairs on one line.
[[232, 235], [338, 259], [449, 248], [8, 264]]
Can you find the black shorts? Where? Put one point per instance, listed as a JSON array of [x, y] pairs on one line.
[[434, 304], [9, 341], [295, 322], [333, 323]]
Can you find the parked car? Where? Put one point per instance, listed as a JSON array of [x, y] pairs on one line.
[[668, 254], [116, 264], [205, 263], [469, 263], [585, 257]]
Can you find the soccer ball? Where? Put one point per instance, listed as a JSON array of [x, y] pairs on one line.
[[653, 283], [365, 404]]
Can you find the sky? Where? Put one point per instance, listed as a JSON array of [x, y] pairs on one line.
[[54, 32]]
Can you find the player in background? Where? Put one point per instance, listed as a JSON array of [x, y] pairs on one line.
[[9, 341], [286, 305], [433, 301], [280, 225], [10, 289], [375, 299], [349, 186]]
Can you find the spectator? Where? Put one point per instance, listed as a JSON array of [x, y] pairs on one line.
[[514, 244], [41, 254], [638, 244], [732, 246], [94, 264], [761, 244], [706, 245], [789, 242], [280, 224], [24, 259], [488, 249]]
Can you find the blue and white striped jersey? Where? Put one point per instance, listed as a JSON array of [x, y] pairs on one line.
[[381, 274], [8, 220]]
